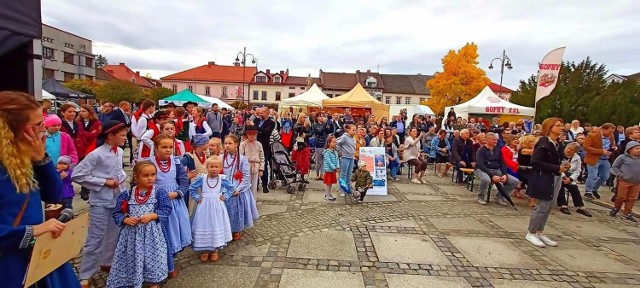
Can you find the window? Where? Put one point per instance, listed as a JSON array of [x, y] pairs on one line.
[[48, 73], [255, 95], [69, 76], [277, 79], [261, 79], [379, 98], [224, 91], [301, 88], [68, 45], [174, 88], [88, 62], [68, 58], [47, 39], [407, 100], [398, 100], [292, 95], [264, 95], [337, 95], [292, 88], [278, 96], [422, 99], [207, 90], [190, 88], [371, 82], [387, 100], [47, 53]]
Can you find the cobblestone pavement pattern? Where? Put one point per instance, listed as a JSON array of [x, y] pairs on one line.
[[430, 235]]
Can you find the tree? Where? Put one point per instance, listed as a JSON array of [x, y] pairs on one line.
[[83, 85], [619, 103], [460, 80], [578, 86], [239, 105], [116, 91], [158, 93], [101, 61]]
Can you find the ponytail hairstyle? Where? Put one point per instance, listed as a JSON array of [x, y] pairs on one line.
[[146, 104]]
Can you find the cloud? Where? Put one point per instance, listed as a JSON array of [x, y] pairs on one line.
[[398, 36]]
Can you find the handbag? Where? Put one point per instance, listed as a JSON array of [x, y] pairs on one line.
[[16, 221]]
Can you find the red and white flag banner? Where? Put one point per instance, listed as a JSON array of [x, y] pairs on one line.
[[548, 72]]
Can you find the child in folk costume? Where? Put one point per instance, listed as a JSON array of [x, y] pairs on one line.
[[195, 161], [331, 166], [172, 177], [211, 226], [145, 149], [140, 119], [141, 253], [252, 149], [169, 128], [182, 127], [101, 172], [241, 206], [199, 124], [215, 147], [65, 170]]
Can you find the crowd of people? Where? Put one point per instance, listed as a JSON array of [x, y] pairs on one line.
[[196, 172]]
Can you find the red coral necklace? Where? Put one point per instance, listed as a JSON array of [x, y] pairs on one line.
[[164, 166], [214, 186], [226, 162], [140, 197]]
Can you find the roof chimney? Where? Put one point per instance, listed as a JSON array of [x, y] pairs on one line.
[[357, 71], [268, 72], [138, 73], [211, 63], [281, 72], [368, 71], [110, 71], [121, 64]]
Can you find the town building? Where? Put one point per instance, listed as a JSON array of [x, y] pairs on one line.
[[66, 56], [501, 91], [405, 89], [267, 87], [617, 78], [372, 82], [296, 85], [337, 83], [220, 81], [124, 73]]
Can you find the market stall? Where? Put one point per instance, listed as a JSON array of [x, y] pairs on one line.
[[311, 98], [59, 91], [214, 100], [488, 105], [359, 99]]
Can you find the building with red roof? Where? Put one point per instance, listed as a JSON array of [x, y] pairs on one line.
[[501, 91], [124, 73]]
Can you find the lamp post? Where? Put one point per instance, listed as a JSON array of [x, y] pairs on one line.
[[505, 61], [243, 61]]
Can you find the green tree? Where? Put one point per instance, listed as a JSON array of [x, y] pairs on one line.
[[158, 93], [101, 61], [238, 105], [619, 104], [83, 85], [116, 91]]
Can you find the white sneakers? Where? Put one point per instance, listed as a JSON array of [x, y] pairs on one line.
[[416, 181], [540, 240]]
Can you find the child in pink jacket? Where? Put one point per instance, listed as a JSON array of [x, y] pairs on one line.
[[59, 143]]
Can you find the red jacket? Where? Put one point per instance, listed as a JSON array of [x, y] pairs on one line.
[[86, 138], [507, 156]]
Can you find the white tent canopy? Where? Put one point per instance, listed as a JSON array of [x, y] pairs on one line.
[[312, 97], [488, 102], [47, 96], [212, 100], [424, 110]]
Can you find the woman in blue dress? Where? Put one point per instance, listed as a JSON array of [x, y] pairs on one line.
[[241, 206], [172, 177], [141, 254], [27, 177]]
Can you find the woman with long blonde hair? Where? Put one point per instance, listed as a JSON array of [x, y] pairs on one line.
[[27, 177]]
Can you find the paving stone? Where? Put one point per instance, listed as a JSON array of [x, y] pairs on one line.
[[411, 188], [629, 250], [202, 275], [576, 256], [318, 197], [419, 281], [415, 197], [278, 194], [591, 229], [519, 224], [266, 209], [499, 252], [401, 223], [457, 190], [457, 223], [338, 245], [407, 248], [320, 279], [380, 198], [252, 250], [602, 285], [497, 283]]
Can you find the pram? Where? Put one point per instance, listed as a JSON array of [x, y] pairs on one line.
[[283, 169]]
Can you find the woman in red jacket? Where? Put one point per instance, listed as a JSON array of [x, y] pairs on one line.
[[510, 156], [86, 137]]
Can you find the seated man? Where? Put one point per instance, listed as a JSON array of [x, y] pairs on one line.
[[462, 153], [491, 169]]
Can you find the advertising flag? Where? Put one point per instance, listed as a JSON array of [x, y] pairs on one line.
[[548, 72]]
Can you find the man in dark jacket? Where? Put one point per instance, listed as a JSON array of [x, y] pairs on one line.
[[320, 131], [400, 126], [462, 153], [491, 169], [265, 127]]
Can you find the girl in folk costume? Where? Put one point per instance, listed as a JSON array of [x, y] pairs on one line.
[[241, 206], [199, 124], [101, 173], [141, 253], [195, 161], [182, 127], [215, 147], [169, 128], [140, 118], [252, 149], [172, 177], [145, 149], [211, 226]]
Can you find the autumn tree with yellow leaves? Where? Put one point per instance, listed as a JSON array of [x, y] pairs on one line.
[[460, 80]]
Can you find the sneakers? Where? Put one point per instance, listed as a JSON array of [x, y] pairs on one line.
[[613, 212], [629, 217], [422, 180], [341, 194], [595, 193], [395, 179], [502, 202], [416, 181], [533, 239], [547, 241], [482, 202], [356, 194], [329, 198], [588, 195]]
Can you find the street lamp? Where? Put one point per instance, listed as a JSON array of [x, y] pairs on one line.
[[243, 61], [505, 61]]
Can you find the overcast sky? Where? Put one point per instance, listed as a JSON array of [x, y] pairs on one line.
[[403, 37]]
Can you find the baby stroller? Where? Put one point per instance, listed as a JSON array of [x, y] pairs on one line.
[[283, 169]]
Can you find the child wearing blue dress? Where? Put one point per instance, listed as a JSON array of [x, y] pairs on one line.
[[211, 226], [141, 253], [241, 206], [172, 178]]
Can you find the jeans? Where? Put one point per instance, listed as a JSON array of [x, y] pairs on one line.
[[319, 161], [67, 203], [393, 167], [265, 173], [598, 174], [540, 213], [346, 169], [485, 181]]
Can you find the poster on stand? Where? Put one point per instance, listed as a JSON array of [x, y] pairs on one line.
[[374, 157]]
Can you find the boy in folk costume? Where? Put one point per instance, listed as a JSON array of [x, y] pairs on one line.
[[140, 119], [252, 149], [101, 172], [145, 149], [195, 162]]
